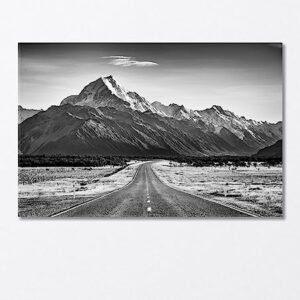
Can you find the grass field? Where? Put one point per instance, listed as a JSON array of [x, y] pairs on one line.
[[255, 189], [44, 191]]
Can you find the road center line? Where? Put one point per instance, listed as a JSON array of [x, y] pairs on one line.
[[146, 181], [149, 209]]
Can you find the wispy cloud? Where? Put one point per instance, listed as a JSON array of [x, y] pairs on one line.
[[127, 61]]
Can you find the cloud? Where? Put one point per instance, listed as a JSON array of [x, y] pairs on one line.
[[127, 61]]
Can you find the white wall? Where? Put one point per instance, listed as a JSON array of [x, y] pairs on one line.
[[142, 259]]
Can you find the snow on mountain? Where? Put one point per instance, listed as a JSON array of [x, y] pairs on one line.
[[221, 122], [173, 110], [237, 131], [24, 113], [74, 129], [105, 91], [219, 118], [245, 129]]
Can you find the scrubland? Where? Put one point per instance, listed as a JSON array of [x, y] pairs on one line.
[[256, 189], [44, 191]]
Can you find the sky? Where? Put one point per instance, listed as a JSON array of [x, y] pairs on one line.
[[243, 78]]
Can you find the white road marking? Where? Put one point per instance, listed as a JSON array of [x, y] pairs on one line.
[[147, 181], [148, 197]]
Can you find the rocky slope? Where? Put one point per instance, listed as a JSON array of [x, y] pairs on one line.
[[273, 151], [24, 113], [70, 129]]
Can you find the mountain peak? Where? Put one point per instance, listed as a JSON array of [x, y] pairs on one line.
[[218, 108], [178, 107], [156, 103], [172, 110], [105, 91], [175, 105]]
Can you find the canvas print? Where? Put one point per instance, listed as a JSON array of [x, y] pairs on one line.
[[150, 130]]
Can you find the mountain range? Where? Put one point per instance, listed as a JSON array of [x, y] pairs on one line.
[[106, 119]]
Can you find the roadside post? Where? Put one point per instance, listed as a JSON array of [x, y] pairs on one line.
[[225, 191], [247, 184], [73, 190]]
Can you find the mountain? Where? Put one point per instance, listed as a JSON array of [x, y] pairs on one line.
[[106, 92], [24, 113], [238, 131], [173, 110], [273, 151], [72, 129], [228, 125], [106, 119]]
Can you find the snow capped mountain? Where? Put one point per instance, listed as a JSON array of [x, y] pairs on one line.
[[74, 129], [220, 121], [218, 118], [106, 119], [236, 131], [105, 91], [246, 130], [173, 110], [24, 113]]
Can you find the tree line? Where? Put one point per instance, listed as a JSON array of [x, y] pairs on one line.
[[236, 161], [99, 161], [70, 161]]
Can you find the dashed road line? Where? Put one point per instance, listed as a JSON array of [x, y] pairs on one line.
[[147, 181], [149, 209]]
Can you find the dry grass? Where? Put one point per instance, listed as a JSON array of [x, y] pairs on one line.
[[256, 190], [41, 174], [44, 191]]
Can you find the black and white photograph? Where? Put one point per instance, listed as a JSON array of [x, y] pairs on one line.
[[150, 150], [150, 130]]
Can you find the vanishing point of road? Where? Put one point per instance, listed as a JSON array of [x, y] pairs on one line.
[[147, 196]]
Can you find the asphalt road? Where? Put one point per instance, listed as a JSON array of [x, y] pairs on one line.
[[147, 196]]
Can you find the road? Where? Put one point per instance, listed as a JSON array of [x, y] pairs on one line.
[[147, 196]]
